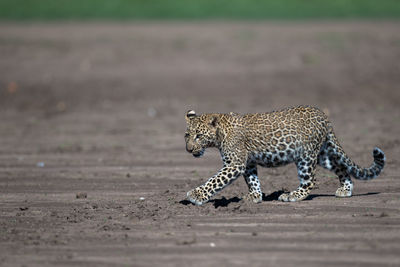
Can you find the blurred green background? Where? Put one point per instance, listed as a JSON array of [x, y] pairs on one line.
[[197, 9]]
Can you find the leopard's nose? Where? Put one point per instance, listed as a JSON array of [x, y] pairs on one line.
[[189, 148]]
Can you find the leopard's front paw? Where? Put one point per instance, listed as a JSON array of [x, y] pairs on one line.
[[292, 196], [197, 196], [254, 197]]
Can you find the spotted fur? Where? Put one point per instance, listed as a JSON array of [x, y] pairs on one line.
[[301, 135]]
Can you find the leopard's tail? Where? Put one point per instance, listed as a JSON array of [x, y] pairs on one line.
[[341, 160], [371, 172]]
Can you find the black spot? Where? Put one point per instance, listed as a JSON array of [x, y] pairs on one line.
[[306, 177], [281, 154], [364, 173], [229, 175]]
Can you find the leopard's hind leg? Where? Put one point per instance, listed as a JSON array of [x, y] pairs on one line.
[[328, 159], [306, 171], [346, 185]]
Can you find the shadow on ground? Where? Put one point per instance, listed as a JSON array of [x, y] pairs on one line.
[[224, 202]]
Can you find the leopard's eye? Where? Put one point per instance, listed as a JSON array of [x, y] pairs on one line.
[[186, 135], [198, 136]]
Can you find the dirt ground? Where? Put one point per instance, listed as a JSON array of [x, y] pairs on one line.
[[93, 167]]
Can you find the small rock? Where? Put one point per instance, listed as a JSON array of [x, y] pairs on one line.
[[212, 244], [81, 195], [23, 208], [187, 242], [141, 198], [383, 214], [151, 112], [128, 175], [61, 106], [40, 164], [106, 227], [12, 87]]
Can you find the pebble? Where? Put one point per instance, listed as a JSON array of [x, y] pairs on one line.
[[81, 195], [151, 112]]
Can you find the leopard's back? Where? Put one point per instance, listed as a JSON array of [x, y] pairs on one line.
[[290, 128]]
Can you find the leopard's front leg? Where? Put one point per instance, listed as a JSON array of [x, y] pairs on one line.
[[224, 177], [250, 175]]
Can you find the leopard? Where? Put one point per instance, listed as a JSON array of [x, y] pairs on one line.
[[302, 135]]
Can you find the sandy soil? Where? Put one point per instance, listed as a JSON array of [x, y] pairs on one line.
[[93, 168]]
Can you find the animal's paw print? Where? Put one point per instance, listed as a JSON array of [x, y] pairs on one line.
[[197, 196]]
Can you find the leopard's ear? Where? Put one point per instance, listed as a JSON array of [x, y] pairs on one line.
[[190, 114]]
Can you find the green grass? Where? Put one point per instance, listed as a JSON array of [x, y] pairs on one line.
[[196, 9]]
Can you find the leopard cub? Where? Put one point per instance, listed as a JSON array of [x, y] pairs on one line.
[[301, 135]]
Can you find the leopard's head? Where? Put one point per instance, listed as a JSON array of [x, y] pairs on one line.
[[201, 132]]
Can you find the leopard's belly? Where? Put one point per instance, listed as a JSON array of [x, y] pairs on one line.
[[272, 159]]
